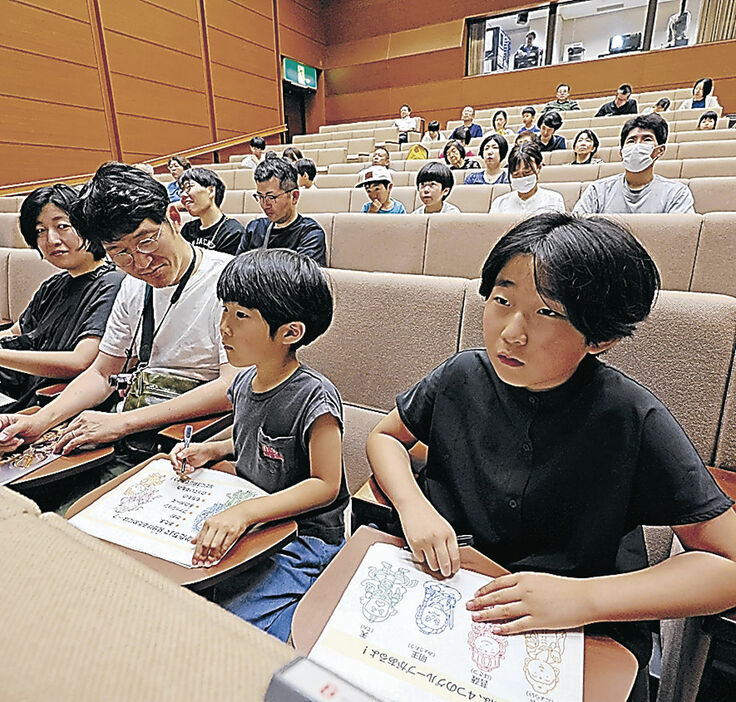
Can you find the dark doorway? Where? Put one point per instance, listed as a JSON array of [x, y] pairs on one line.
[[295, 101]]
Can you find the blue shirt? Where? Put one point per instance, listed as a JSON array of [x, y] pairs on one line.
[[475, 131], [397, 208], [478, 178], [536, 130], [173, 188]]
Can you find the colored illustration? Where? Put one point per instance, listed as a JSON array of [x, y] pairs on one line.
[[39, 451], [383, 590], [437, 611], [486, 648], [543, 657], [233, 498], [140, 494]]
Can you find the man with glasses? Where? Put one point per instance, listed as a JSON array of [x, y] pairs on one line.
[[125, 210], [283, 227]]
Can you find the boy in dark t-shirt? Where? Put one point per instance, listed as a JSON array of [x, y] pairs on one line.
[[554, 460], [277, 192], [287, 434], [202, 192]]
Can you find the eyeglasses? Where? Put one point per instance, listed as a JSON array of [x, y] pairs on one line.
[[123, 259], [260, 199]]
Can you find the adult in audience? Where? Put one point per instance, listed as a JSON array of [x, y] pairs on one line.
[[405, 124], [277, 192], [463, 136], [708, 120], [381, 157], [256, 155], [530, 49], [528, 137], [526, 197], [434, 183], [500, 118], [378, 184], [638, 189], [468, 114], [584, 146], [527, 121], [493, 150], [125, 211], [176, 165], [292, 154], [202, 192], [455, 157], [433, 133], [622, 104], [662, 105], [58, 335], [306, 173], [563, 101], [549, 123], [702, 98]]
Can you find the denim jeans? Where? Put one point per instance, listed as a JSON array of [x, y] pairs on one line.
[[267, 594]]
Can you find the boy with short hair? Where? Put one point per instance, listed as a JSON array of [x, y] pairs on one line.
[[527, 118], [287, 434], [378, 184], [307, 172], [553, 460], [433, 132], [202, 192], [434, 183], [257, 147]]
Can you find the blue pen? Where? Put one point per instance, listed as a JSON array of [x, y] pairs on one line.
[[188, 429]]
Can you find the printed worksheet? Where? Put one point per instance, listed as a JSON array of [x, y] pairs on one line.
[[29, 458], [154, 512], [400, 634]]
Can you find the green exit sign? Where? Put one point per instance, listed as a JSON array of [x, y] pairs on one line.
[[300, 74]]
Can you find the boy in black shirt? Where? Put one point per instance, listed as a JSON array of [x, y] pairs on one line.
[[552, 459], [277, 192], [202, 192]]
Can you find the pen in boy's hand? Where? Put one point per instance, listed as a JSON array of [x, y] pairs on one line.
[[462, 540], [188, 429]]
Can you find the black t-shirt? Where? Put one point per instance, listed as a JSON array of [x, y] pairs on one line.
[[303, 235], [555, 143], [609, 108], [62, 312], [557, 481], [224, 235]]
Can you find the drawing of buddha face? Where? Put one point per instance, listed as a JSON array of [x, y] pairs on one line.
[[486, 649], [377, 609], [541, 675], [433, 618]]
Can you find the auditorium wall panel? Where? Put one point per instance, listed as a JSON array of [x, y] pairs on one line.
[[253, 24], [245, 87], [236, 52], [231, 114], [29, 162], [141, 134]]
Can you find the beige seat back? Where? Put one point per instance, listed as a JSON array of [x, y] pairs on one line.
[[714, 261], [709, 168], [713, 194], [26, 271], [10, 235], [326, 200], [565, 174], [470, 198], [234, 201], [243, 179]]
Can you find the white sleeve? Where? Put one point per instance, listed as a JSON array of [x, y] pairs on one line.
[[686, 105], [588, 202], [559, 203]]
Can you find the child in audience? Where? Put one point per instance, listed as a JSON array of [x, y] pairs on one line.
[[454, 155], [662, 105], [528, 137], [307, 172], [526, 197], [500, 118], [548, 124], [58, 335], [708, 120], [433, 132], [177, 165], [585, 145], [202, 192], [434, 183], [493, 149], [256, 155], [378, 184], [527, 121], [291, 153], [287, 434], [553, 460]]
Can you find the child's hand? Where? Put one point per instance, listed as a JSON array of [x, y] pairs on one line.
[[196, 456], [532, 601], [431, 538], [217, 535], [375, 206]]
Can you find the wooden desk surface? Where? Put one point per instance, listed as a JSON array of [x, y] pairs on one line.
[[609, 668], [256, 544]]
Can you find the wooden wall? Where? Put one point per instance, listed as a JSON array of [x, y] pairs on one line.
[[371, 70]]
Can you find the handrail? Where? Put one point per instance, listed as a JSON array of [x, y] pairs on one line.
[[20, 188]]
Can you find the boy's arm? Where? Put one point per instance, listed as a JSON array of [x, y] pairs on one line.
[[429, 535], [52, 364], [699, 582], [319, 489]]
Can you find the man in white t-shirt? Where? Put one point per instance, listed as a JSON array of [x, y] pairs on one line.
[[126, 210], [405, 123]]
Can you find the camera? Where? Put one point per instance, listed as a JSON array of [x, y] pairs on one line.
[[121, 382]]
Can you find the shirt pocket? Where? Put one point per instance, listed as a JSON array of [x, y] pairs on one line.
[[276, 461]]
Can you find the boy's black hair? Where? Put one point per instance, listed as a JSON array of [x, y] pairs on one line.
[[116, 201], [625, 88], [257, 142], [407, 107], [284, 286], [463, 135], [433, 126], [529, 110], [524, 154], [653, 122], [707, 86], [305, 166], [183, 161], [552, 119], [458, 145], [503, 145], [591, 135], [277, 167], [594, 267], [710, 114], [560, 85], [205, 178], [664, 102], [292, 153], [437, 172], [533, 35], [496, 113], [63, 196]]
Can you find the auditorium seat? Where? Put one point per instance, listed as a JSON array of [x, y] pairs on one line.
[[707, 149], [469, 198], [704, 135], [709, 167], [26, 271], [232, 202], [244, 179], [404, 194], [713, 194], [326, 157], [10, 235], [11, 203], [327, 200], [716, 256], [564, 174], [358, 146]]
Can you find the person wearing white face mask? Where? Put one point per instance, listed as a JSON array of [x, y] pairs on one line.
[[638, 190], [526, 197]]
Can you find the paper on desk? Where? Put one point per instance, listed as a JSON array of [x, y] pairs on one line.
[[154, 512], [400, 634], [22, 462]]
